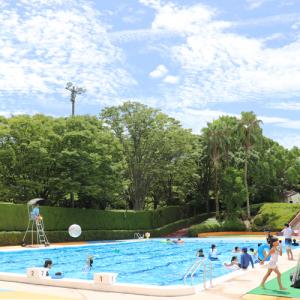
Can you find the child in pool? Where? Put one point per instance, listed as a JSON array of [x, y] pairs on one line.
[[234, 264], [213, 252]]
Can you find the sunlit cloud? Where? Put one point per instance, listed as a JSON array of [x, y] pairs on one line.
[[285, 105], [253, 4], [47, 43], [171, 79], [159, 72], [220, 66]]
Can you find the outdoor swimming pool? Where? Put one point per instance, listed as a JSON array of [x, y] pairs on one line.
[[144, 262]]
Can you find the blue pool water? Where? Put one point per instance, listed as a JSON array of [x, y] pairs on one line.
[[147, 262]]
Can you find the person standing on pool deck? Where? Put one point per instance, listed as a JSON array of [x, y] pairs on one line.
[[287, 233], [272, 265]]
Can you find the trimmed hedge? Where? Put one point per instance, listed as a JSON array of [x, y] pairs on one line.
[[212, 225], [209, 225], [273, 216], [15, 237], [14, 217], [233, 225]]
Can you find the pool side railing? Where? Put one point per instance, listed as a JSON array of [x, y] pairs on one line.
[[137, 235], [192, 270]]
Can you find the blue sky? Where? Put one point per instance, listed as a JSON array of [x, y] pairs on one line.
[[194, 60]]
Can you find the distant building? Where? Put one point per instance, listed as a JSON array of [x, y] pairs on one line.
[[292, 197]]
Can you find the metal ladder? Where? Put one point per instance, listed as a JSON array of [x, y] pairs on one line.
[[40, 233], [195, 267], [137, 235]]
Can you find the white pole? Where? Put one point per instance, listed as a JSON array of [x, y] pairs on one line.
[[204, 274]]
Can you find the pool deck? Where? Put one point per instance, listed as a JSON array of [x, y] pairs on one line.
[[235, 287]]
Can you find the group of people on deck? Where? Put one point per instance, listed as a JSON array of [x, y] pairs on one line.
[[242, 259]]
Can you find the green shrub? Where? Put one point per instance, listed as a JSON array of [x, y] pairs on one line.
[[163, 216], [273, 216], [254, 208], [233, 225], [170, 228], [210, 225]]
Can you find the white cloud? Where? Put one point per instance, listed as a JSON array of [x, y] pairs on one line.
[[196, 119], [220, 66], [281, 122], [253, 4], [171, 79], [282, 18], [288, 140], [159, 71], [47, 43], [285, 105], [296, 26], [182, 19], [11, 113]]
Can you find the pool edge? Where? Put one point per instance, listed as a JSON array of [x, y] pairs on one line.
[[138, 289]]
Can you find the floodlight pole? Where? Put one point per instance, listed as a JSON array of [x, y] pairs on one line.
[[73, 97], [74, 91]]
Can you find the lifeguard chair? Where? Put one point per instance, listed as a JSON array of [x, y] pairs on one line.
[[35, 224]]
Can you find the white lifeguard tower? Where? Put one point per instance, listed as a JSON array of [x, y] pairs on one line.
[[35, 225]]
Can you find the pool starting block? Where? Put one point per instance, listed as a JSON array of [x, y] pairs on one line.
[[37, 272], [105, 278]]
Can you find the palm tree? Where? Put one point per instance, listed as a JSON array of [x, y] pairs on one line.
[[213, 135], [250, 132]]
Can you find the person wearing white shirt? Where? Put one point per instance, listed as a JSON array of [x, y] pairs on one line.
[[287, 233], [213, 253]]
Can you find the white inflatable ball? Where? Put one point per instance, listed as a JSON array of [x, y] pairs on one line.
[[74, 230]]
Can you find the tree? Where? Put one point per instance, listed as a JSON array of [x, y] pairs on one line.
[[49, 157], [152, 144], [250, 134], [232, 191], [213, 134]]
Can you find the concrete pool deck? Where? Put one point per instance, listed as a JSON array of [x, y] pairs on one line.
[[235, 287]]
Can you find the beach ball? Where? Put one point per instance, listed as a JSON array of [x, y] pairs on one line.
[[74, 230]]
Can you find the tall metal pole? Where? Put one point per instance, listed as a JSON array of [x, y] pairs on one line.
[[74, 91], [73, 96]]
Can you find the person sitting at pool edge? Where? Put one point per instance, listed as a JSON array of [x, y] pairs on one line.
[[213, 252], [234, 263], [48, 265], [246, 259]]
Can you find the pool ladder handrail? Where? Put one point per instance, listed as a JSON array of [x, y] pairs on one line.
[[137, 235], [195, 267]]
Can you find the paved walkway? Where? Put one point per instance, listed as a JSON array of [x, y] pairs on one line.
[[234, 288]]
